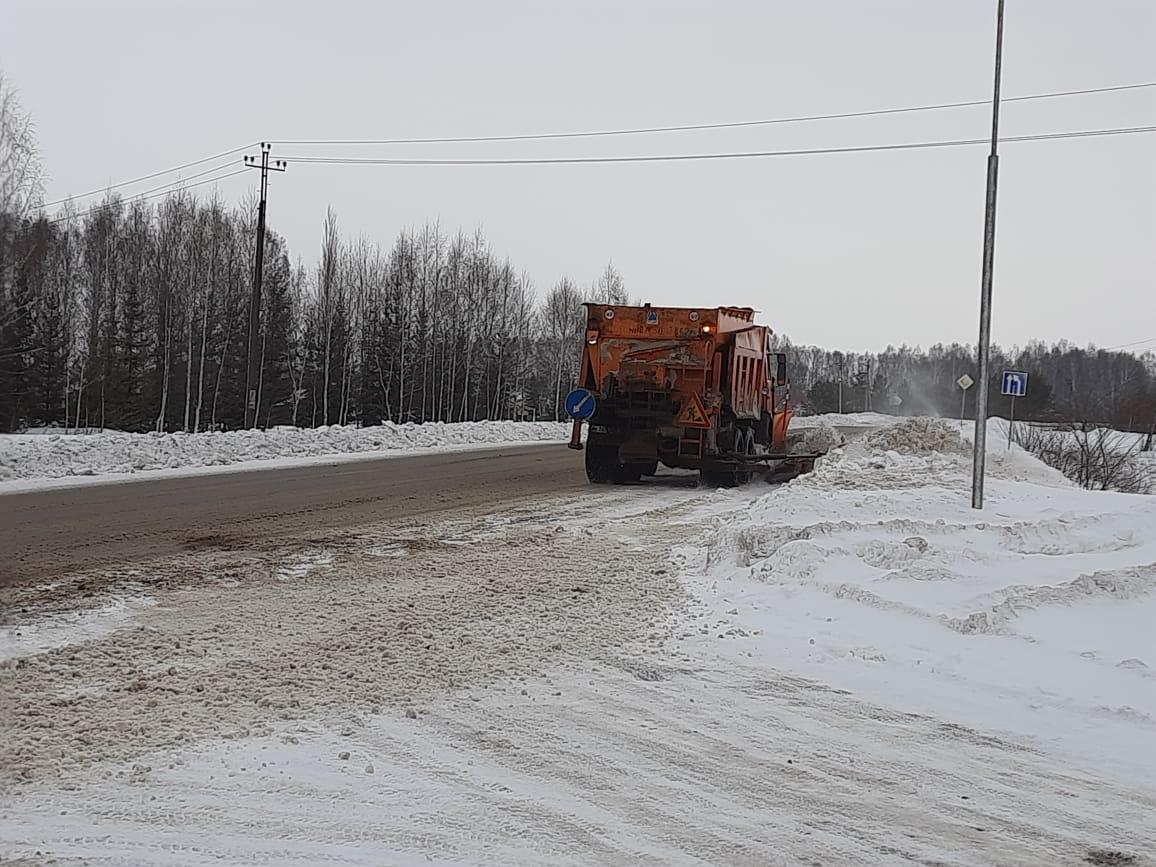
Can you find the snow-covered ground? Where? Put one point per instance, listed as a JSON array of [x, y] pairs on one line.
[[874, 574], [111, 455], [853, 668]]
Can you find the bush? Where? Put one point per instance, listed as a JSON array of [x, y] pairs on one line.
[[1093, 457]]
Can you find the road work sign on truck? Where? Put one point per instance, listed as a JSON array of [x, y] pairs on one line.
[[693, 414]]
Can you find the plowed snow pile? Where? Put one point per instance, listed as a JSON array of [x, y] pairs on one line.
[[846, 419], [1031, 617], [52, 456], [918, 436], [819, 438]]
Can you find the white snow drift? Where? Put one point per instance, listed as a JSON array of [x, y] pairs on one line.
[[874, 574], [55, 456]]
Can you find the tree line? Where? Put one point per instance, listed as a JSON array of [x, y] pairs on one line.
[[1065, 382], [133, 316]]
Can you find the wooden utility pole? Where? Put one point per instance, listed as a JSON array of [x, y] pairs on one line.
[[253, 370]]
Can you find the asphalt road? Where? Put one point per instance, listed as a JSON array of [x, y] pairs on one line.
[[49, 533]]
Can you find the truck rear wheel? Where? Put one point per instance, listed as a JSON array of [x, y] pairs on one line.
[[600, 463], [625, 473], [749, 451], [732, 479], [603, 466], [716, 479]]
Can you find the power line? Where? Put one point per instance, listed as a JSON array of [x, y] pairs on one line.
[[149, 177], [163, 189], [181, 181], [722, 125], [170, 188], [1126, 345], [389, 161], [687, 127]]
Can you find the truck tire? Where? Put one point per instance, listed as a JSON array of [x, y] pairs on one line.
[[748, 450], [603, 466], [745, 441], [626, 473], [601, 461], [716, 479]]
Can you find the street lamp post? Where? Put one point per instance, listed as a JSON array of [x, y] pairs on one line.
[[985, 285]]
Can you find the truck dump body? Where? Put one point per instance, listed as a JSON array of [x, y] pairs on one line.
[[688, 387]]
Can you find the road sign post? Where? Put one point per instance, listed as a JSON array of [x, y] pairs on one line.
[[1011, 420], [1013, 384], [964, 382]]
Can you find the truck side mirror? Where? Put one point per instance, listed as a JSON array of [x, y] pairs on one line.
[[780, 368]]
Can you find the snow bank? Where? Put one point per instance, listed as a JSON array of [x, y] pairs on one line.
[[918, 436], [55, 456], [1031, 617], [820, 438], [844, 419]]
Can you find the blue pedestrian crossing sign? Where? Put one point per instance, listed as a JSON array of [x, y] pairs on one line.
[[1014, 383], [651, 317], [580, 403]]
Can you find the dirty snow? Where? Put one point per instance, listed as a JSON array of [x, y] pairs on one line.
[[106, 456], [250, 644], [66, 628], [919, 436], [818, 438], [853, 668]]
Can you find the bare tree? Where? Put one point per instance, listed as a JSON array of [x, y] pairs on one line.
[[21, 175], [328, 289], [610, 288], [563, 325]]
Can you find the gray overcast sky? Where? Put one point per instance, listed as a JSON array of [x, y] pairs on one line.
[[851, 251]]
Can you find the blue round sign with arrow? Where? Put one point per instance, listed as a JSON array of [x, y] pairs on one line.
[[580, 403]]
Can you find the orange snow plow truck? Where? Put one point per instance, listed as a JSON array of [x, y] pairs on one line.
[[694, 388]]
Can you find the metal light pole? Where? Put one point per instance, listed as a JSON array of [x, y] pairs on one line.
[[985, 286]]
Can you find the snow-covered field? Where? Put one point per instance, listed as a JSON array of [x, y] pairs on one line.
[[853, 668], [109, 455]]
